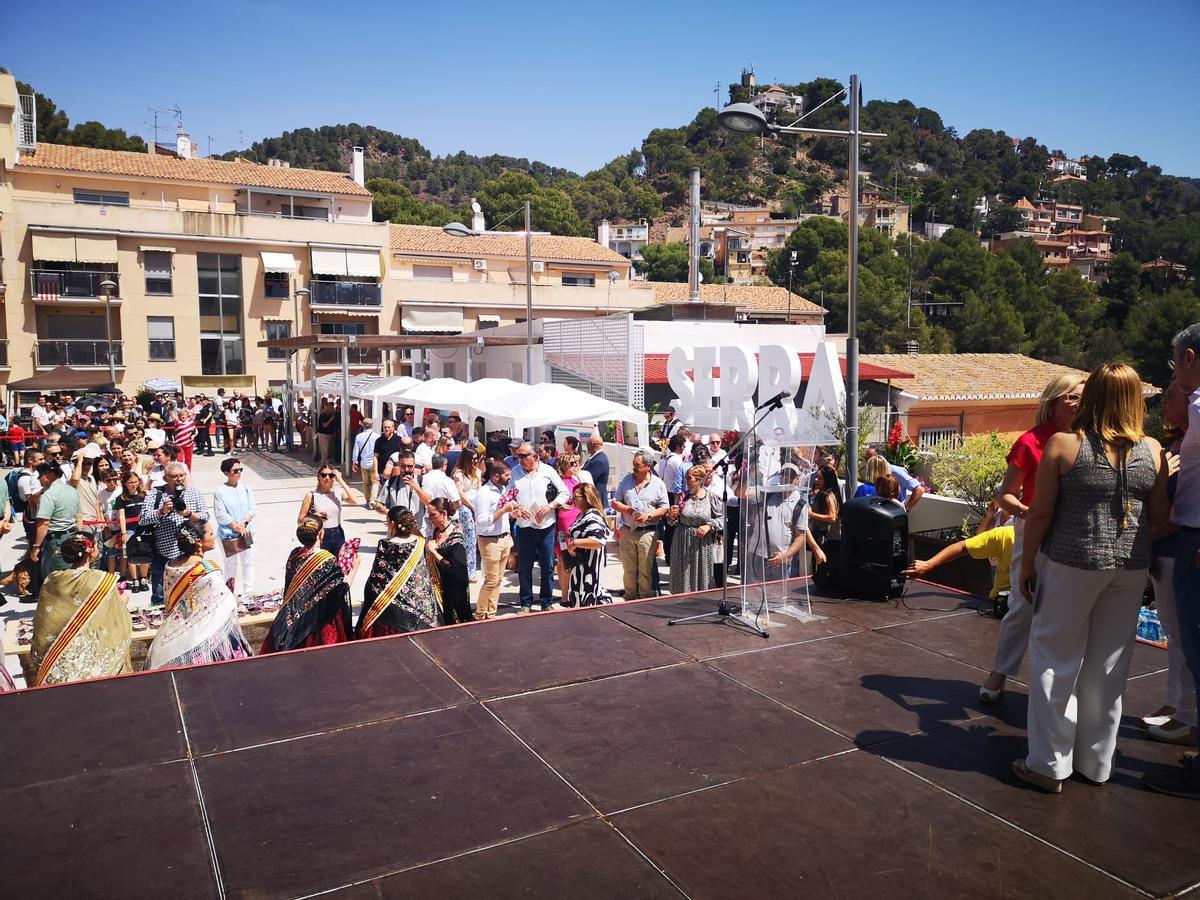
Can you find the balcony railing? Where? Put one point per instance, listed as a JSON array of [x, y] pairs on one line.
[[48, 284], [345, 293], [82, 353], [359, 356]]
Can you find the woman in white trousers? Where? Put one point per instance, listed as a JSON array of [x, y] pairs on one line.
[[1100, 489], [1056, 408]]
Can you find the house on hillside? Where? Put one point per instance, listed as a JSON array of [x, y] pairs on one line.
[[954, 395], [776, 99]]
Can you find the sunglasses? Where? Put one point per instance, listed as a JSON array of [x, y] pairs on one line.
[[525, 455], [236, 471], [325, 475]]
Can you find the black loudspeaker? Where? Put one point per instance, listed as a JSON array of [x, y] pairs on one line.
[[873, 554]]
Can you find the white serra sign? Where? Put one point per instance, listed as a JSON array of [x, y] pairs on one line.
[[727, 401]]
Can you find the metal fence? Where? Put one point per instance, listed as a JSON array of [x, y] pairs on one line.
[[78, 353], [603, 356]]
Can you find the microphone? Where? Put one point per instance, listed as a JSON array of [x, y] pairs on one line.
[[775, 402]]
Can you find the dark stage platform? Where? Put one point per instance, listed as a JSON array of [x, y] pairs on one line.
[[585, 754]]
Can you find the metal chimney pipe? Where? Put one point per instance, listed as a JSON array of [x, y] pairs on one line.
[[694, 236]]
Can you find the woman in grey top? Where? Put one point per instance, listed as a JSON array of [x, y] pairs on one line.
[[1100, 489]]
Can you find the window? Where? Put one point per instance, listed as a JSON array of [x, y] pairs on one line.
[[161, 332], [572, 279], [278, 286], [276, 331], [433, 273], [96, 198], [343, 327], [222, 351], [930, 436], [157, 264]]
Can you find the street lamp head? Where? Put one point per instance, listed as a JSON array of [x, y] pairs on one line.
[[458, 229], [744, 118], [302, 292], [108, 286]]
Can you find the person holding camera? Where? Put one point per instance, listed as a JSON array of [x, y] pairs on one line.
[[403, 488], [166, 508]]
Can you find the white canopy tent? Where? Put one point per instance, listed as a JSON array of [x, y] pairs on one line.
[[531, 406], [450, 393], [377, 391]]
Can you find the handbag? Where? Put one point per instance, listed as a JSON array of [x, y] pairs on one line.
[[140, 545]]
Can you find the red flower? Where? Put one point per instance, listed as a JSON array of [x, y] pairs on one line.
[[896, 436]]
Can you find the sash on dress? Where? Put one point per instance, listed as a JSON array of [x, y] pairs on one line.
[[388, 594], [317, 559], [75, 625], [186, 580]]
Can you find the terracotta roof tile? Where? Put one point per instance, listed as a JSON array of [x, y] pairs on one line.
[[60, 157], [974, 376], [760, 298], [428, 239]]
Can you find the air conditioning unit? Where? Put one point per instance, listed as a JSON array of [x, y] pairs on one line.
[[481, 265], [539, 266]]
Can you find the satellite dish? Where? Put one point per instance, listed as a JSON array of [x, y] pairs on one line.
[[475, 207]]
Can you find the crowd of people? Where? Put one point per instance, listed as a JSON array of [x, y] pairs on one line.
[[1089, 509]]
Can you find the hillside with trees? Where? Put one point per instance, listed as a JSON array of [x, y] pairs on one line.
[[978, 301]]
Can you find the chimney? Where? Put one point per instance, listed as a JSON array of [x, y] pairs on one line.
[[602, 233], [694, 236], [477, 220], [150, 146], [183, 145], [357, 170]]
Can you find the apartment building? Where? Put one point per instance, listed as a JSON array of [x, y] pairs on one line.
[[624, 238], [447, 285], [175, 266]]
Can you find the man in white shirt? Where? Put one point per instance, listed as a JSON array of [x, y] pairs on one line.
[[540, 492], [423, 451], [436, 483], [363, 457], [1184, 780], [41, 415], [492, 508]]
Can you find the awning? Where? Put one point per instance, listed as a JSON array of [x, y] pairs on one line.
[[364, 313], [489, 319], [144, 248], [54, 247], [362, 263], [278, 262], [95, 249], [329, 262], [432, 321]]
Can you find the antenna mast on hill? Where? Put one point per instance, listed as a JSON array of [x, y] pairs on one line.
[[173, 110], [717, 91]]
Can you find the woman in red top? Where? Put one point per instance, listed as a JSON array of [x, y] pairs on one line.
[[1056, 409]]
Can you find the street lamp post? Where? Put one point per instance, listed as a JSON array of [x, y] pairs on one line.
[[458, 229], [294, 363], [109, 287], [749, 119]]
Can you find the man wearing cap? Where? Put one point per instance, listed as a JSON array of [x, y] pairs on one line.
[[57, 513]]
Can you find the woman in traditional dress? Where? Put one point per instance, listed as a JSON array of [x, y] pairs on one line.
[[403, 593], [697, 518], [589, 536], [316, 597], [468, 481], [82, 628], [449, 550], [201, 614]]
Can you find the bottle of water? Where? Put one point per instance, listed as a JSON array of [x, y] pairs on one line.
[[1148, 627]]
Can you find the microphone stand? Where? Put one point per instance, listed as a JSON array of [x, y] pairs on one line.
[[725, 612]]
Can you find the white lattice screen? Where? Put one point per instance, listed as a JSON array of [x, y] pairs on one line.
[[603, 356]]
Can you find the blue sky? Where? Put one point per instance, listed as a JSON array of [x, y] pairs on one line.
[[575, 84]]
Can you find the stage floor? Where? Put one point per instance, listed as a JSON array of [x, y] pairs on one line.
[[590, 753]]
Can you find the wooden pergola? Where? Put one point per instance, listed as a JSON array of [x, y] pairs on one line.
[[344, 343]]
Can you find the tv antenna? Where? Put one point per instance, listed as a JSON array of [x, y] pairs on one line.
[[717, 91], [173, 111]]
